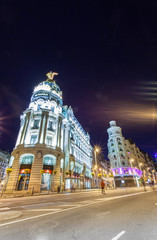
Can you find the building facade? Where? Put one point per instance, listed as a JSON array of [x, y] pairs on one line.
[[52, 150], [125, 157], [4, 160]]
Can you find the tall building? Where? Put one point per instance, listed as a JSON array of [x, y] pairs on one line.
[[4, 160], [52, 149], [125, 158]]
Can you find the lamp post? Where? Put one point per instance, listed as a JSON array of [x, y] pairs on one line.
[[95, 151]]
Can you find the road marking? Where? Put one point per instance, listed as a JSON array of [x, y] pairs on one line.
[[118, 235], [5, 208], [44, 210], [87, 201], [37, 205], [69, 205], [63, 210], [120, 196]]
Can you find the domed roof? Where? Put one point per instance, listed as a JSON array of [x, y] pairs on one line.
[[48, 89], [51, 85]]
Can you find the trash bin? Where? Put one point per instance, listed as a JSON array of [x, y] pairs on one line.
[[58, 189]]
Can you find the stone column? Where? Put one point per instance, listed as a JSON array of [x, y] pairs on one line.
[[41, 127], [13, 178], [35, 177], [45, 127], [25, 128], [57, 176]]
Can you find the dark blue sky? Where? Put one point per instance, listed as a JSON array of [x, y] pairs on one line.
[[106, 57]]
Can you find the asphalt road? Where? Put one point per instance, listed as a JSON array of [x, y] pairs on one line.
[[87, 215]]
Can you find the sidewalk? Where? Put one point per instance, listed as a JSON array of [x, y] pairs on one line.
[[107, 191]]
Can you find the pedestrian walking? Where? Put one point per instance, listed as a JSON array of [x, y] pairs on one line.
[[144, 184], [152, 184], [102, 187], [74, 186]]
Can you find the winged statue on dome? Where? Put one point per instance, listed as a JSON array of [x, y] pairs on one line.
[[51, 75]]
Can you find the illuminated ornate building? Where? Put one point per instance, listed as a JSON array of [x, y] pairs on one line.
[[50, 139], [125, 158]]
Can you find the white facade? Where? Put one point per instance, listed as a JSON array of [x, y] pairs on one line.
[[125, 158], [50, 128], [116, 147]]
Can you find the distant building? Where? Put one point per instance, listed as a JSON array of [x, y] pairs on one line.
[[128, 163], [52, 150], [4, 160]]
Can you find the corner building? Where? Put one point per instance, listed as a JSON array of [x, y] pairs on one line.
[[125, 164], [50, 139]]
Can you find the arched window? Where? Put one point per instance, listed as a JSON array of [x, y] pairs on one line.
[[27, 158], [49, 160]]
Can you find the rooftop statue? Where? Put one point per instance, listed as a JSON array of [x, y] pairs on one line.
[[51, 75]]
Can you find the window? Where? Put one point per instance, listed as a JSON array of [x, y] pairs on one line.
[[27, 159], [49, 160], [38, 107], [120, 149], [50, 126], [53, 109], [49, 140], [36, 124], [113, 150], [33, 139], [119, 143]]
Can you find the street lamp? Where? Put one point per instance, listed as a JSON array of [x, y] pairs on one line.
[[95, 151]]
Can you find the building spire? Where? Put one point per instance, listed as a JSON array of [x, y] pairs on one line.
[[51, 75]]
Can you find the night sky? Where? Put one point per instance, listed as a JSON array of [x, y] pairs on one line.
[[105, 53]]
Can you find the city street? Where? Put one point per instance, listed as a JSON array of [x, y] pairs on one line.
[[119, 214]]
